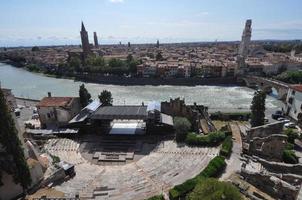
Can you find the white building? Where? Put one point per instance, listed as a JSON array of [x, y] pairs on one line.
[[57, 111], [149, 70], [293, 105]]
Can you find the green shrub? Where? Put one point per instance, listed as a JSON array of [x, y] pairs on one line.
[[33, 68], [213, 169], [213, 189], [182, 126], [289, 156], [289, 146], [291, 135], [211, 139], [226, 148], [55, 159]]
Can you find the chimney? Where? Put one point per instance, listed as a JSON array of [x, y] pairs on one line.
[[49, 94]]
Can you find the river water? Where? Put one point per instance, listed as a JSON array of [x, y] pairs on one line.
[[31, 85]]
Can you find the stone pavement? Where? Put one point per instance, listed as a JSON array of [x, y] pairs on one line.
[[166, 166], [234, 162]]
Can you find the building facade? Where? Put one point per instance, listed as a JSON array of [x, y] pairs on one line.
[[57, 111], [293, 104]]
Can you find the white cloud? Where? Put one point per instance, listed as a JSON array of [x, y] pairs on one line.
[[116, 1]]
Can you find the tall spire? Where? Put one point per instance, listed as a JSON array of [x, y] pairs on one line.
[[83, 27], [85, 40], [95, 37], [246, 39]]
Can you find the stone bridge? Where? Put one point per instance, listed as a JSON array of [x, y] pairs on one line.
[[266, 85]]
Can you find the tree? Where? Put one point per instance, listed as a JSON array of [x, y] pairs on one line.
[[291, 135], [282, 69], [210, 189], [75, 63], [116, 63], [96, 61], [258, 109], [35, 48], [182, 126], [129, 58], [106, 98], [159, 57], [85, 96], [10, 142]]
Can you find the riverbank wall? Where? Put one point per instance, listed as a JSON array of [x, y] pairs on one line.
[[132, 81], [139, 81]]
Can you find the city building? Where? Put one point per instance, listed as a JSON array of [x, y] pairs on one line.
[[293, 104]]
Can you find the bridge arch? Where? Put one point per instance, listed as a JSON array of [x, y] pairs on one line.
[[269, 86]]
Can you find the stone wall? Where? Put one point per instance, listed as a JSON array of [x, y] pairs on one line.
[[195, 113], [270, 147], [57, 175], [265, 130], [272, 185], [278, 167]]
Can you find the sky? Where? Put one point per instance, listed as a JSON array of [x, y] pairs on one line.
[[58, 22]]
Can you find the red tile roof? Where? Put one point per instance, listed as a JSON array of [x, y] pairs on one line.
[[55, 101], [297, 87]]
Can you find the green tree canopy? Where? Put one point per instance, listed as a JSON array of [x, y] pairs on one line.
[[293, 77], [212, 189], [182, 126], [159, 57], [75, 63], [106, 98], [96, 61], [129, 58], [258, 109], [35, 48], [291, 135], [9, 141], [289, 156], [85, 96], [116, 63]]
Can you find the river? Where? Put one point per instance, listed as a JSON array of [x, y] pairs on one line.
[[32, 85]]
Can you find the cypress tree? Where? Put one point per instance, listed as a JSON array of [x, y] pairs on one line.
[[258, 109], [15, 163], [85, 96]]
